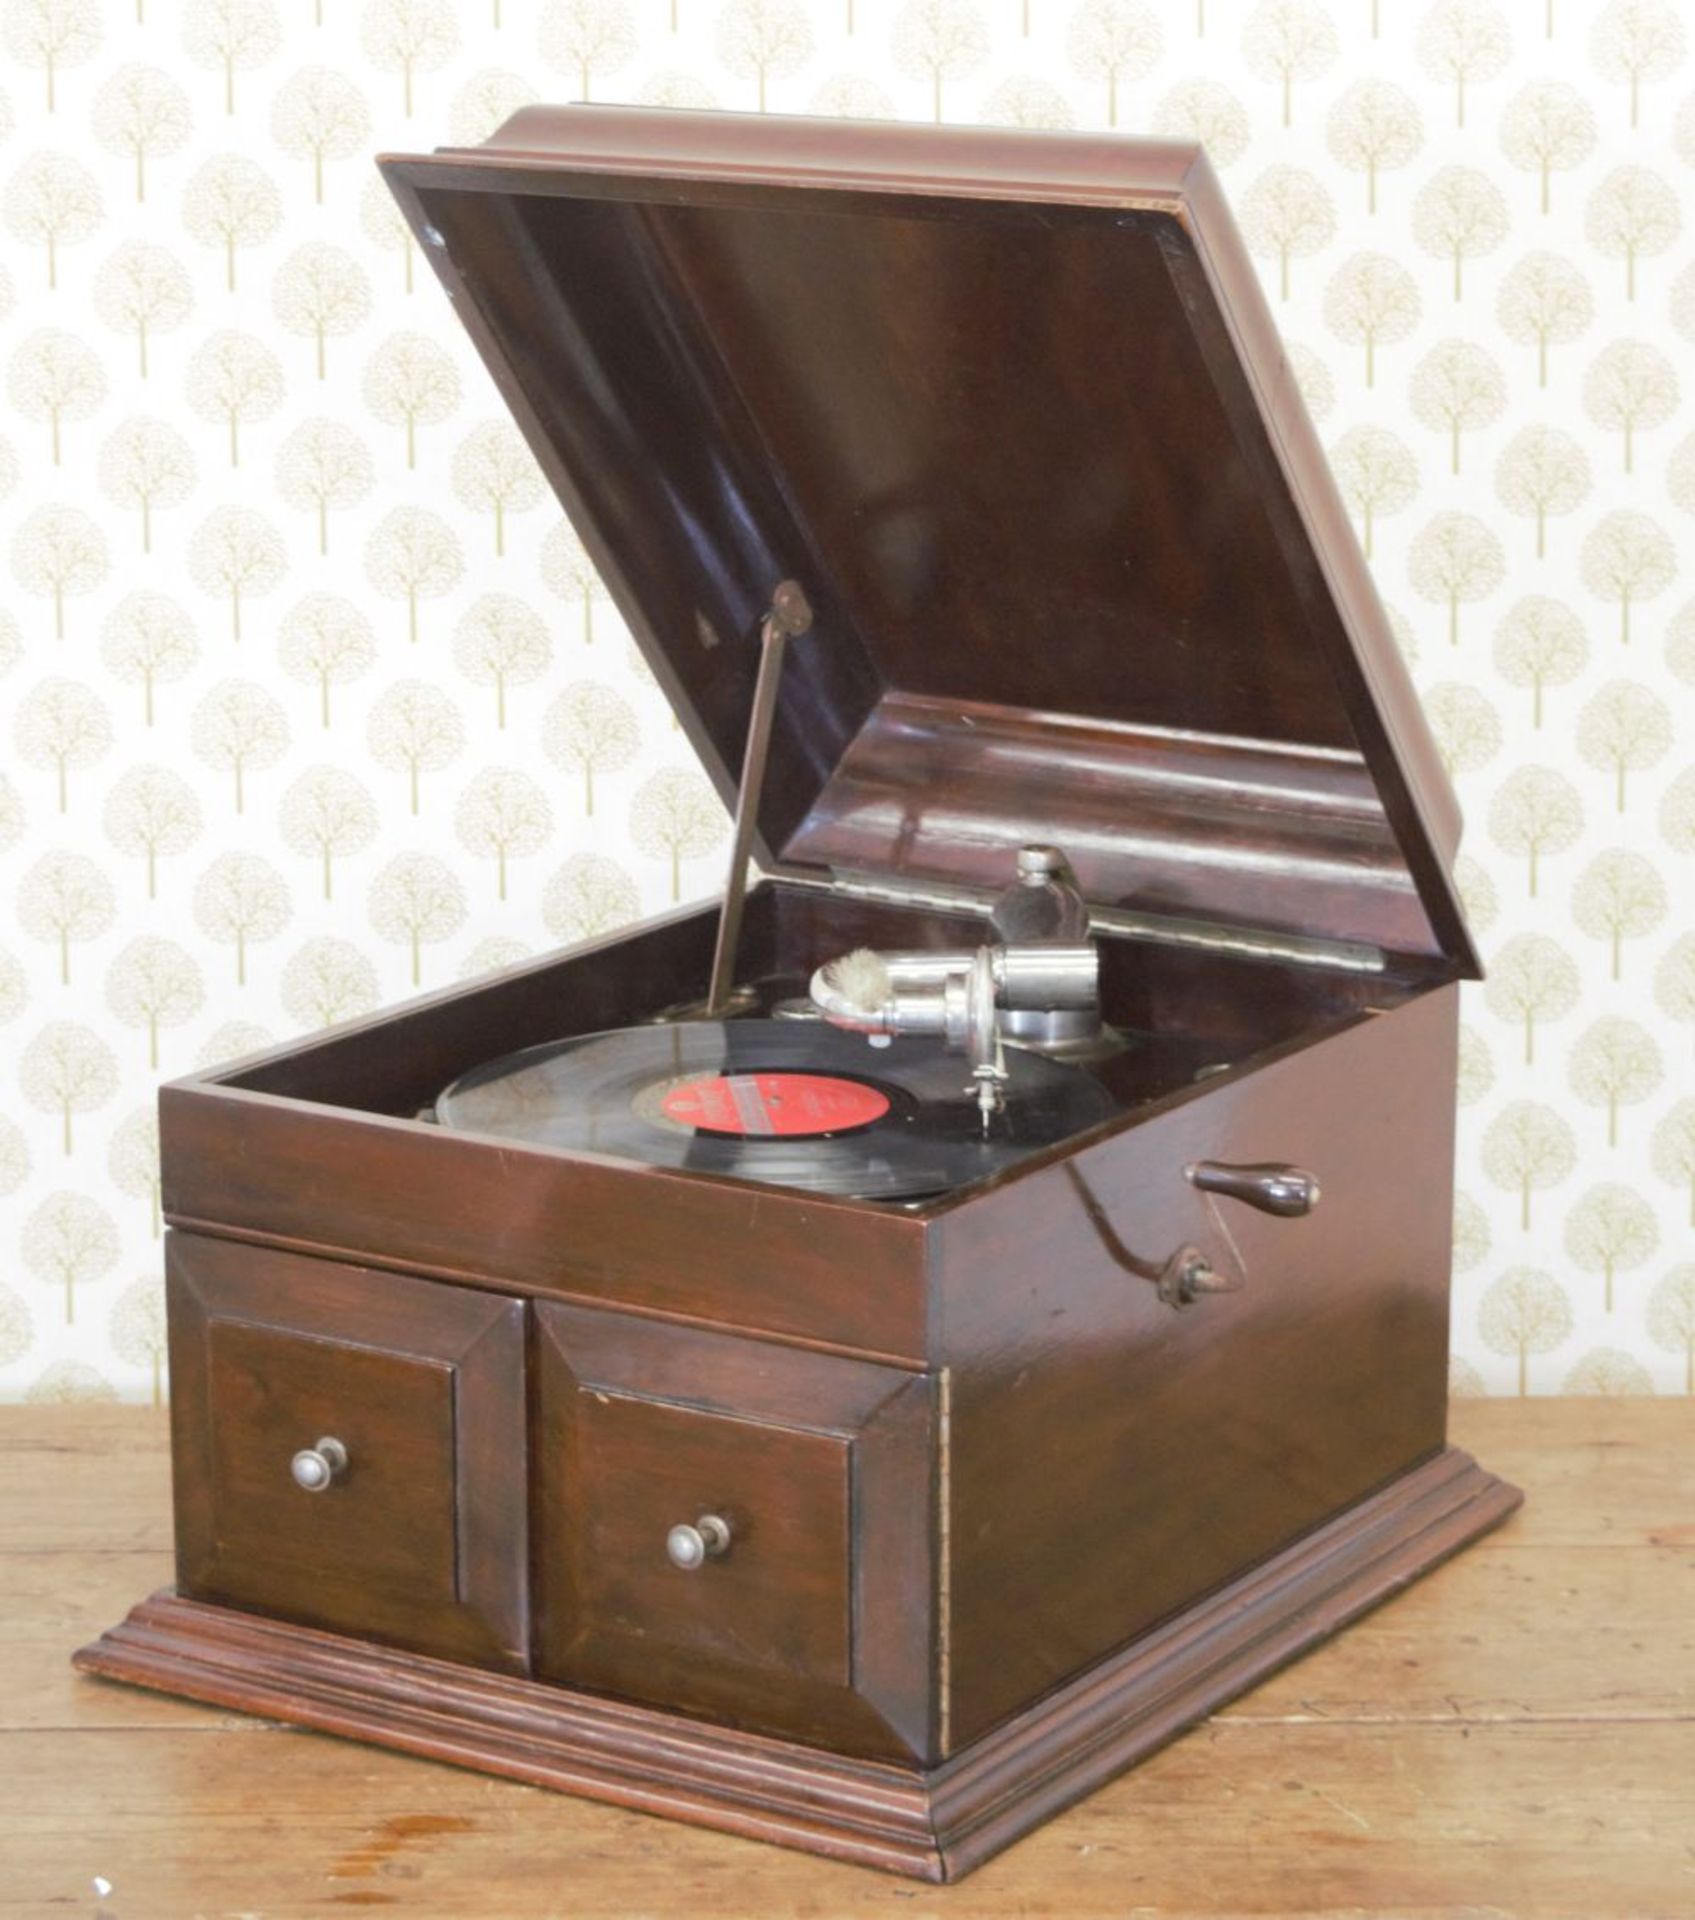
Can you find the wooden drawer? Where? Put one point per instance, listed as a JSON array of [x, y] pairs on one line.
[[420, 1540], [818, 1619]]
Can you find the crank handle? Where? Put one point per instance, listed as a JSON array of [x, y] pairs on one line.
[[1288, 1192]]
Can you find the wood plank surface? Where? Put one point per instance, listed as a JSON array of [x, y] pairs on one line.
[[1515, 1735]]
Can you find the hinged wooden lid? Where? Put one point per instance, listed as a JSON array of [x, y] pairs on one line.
[[1012, 410]]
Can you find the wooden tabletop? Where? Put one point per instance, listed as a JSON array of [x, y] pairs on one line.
[[1515, 1735]]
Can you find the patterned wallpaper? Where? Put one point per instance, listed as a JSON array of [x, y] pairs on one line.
[[310, 699]]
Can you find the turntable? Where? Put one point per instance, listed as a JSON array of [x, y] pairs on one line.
[[862, 1362]]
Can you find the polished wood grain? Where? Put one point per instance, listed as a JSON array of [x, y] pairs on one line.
[[934, 1824], [820, 1620], [1004, 1516], [1191, 1444], [1437, 1758], [1194, 1441], [314, 1145], [995, 777], [422, 1540], [746, 348]]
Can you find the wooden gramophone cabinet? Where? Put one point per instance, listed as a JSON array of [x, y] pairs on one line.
[[1009, 1505]]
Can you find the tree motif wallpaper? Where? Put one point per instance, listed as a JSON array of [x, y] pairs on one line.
[[310, 698]]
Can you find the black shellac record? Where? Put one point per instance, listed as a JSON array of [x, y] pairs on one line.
[[791, 1104]]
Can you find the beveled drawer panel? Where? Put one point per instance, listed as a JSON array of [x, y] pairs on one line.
[[349, 1448], [777, 1596], [815, 1615]]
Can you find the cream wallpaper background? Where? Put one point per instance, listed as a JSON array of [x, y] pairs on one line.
[[308, 700]]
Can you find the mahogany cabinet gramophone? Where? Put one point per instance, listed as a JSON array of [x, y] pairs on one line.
[[883, 1527]]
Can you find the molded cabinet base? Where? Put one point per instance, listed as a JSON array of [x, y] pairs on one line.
[[934, 1825]]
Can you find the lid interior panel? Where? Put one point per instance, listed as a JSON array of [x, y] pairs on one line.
[[1011, 510], [1064, 579]]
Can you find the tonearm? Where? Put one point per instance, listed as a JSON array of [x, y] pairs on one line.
[[1036, 985], [966, 997]]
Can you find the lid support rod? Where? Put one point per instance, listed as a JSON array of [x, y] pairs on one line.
[[789, 615]]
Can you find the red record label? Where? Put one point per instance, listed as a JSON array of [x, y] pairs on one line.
[[772, 1103]]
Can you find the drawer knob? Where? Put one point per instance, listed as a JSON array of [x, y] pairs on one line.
[[1287, 1192], [691, 1547], [316, 1469]]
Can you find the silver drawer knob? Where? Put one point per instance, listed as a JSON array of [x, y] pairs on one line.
[[691, 1547], [317, 1468]]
